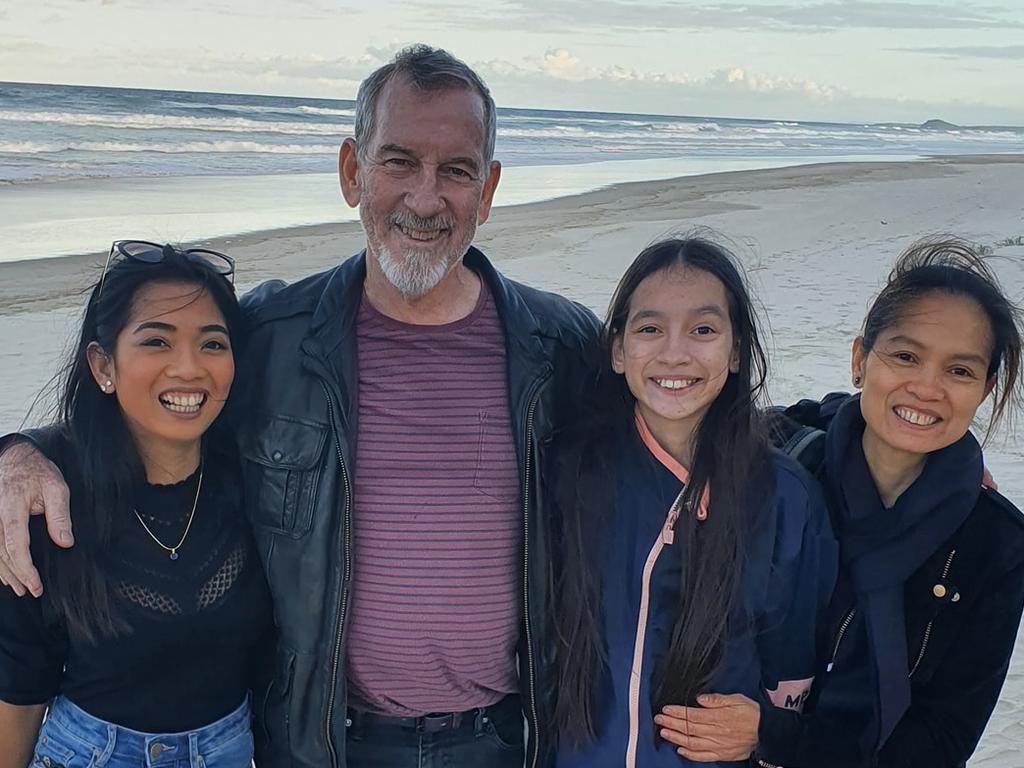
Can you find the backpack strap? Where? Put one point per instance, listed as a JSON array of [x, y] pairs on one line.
[[807, 446]]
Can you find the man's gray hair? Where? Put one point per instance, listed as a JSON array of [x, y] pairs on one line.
[[428, 69]]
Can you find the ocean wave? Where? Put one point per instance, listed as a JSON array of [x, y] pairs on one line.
[[641, 132], [706, 127], [262, 108], [219, 106], [156, 122], [581, 121], [327, 111], [186, 147], [556, 132]]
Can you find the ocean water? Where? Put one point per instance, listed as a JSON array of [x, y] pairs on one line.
[[81, 166]]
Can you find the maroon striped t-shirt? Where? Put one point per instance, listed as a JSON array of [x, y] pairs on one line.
[[435, 611]]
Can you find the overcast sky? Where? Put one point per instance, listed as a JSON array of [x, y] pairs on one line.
[[959, 60]]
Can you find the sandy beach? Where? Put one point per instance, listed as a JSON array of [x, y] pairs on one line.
[[817, 241]]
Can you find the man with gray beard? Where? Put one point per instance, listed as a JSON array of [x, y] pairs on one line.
[[388, 420], [416, 272]]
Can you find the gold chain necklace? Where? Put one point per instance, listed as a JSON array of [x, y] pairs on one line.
[[174, 550]]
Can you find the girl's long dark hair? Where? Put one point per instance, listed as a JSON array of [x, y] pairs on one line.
[[730, 455], [97, 452]]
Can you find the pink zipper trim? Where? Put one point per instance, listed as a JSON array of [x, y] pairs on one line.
[[666, 539], [669, 461], [636, 672]]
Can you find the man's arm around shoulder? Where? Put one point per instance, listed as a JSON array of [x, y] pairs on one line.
[[30, 484]]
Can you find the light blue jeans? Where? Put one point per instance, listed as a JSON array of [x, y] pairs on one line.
[[72, 738]]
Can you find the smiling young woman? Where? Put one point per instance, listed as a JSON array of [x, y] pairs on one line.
[[689, 555], [922, 381], [146, 640], [170, 371]]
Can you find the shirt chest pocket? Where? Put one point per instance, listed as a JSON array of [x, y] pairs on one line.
[[282, 465]]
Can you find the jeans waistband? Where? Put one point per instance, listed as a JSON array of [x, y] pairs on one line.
[[436, 722], [158, 748]]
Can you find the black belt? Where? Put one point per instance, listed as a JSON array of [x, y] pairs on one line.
[[436, 722]]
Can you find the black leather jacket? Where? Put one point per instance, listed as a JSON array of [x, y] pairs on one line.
[[296, 406]]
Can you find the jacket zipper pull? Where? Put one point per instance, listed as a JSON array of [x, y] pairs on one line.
[[668, 533]]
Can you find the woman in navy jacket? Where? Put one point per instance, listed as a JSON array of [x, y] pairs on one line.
[[692, 556], [931, 588]]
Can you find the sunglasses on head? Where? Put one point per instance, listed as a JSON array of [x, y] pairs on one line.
[[154, 253]]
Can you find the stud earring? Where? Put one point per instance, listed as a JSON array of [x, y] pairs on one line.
[[108, 384], [856, 381]]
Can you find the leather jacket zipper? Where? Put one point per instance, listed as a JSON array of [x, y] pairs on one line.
[[347, 546], [530, 662], [928, 628], [839, 638]]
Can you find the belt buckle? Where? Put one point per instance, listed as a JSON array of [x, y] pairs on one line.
[[437, 723]]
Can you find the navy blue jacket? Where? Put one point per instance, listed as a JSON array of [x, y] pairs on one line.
[[789, 574]]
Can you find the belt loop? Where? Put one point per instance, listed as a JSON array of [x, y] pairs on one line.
[[480, 722], [194, 757], [108, 750], [354, 722]]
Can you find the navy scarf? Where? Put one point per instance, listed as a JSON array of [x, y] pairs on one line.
[[881, 548]]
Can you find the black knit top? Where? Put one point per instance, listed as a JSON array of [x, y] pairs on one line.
[[196, 627]]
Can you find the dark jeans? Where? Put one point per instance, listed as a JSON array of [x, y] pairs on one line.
[[491, 738]]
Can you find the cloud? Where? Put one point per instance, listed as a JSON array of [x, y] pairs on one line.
[[297, 9], [64, 6], [860, 14], [16, 45], [973, 51], [654, 15], [738, 79], [305, 66], [205, 68], [562, 78], [559, 64]]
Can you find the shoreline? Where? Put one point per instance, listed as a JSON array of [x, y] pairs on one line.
[[24, 287], [78, 215]]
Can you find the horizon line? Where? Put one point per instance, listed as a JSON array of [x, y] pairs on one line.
[[529, 109]]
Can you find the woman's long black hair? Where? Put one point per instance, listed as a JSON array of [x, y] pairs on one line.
[[730, 455], [98, 454]]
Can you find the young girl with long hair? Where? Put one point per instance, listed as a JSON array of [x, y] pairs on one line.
[[141, 650], [689, 556], [931, 586]]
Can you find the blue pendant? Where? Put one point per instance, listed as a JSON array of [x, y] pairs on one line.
[[174, 555]]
